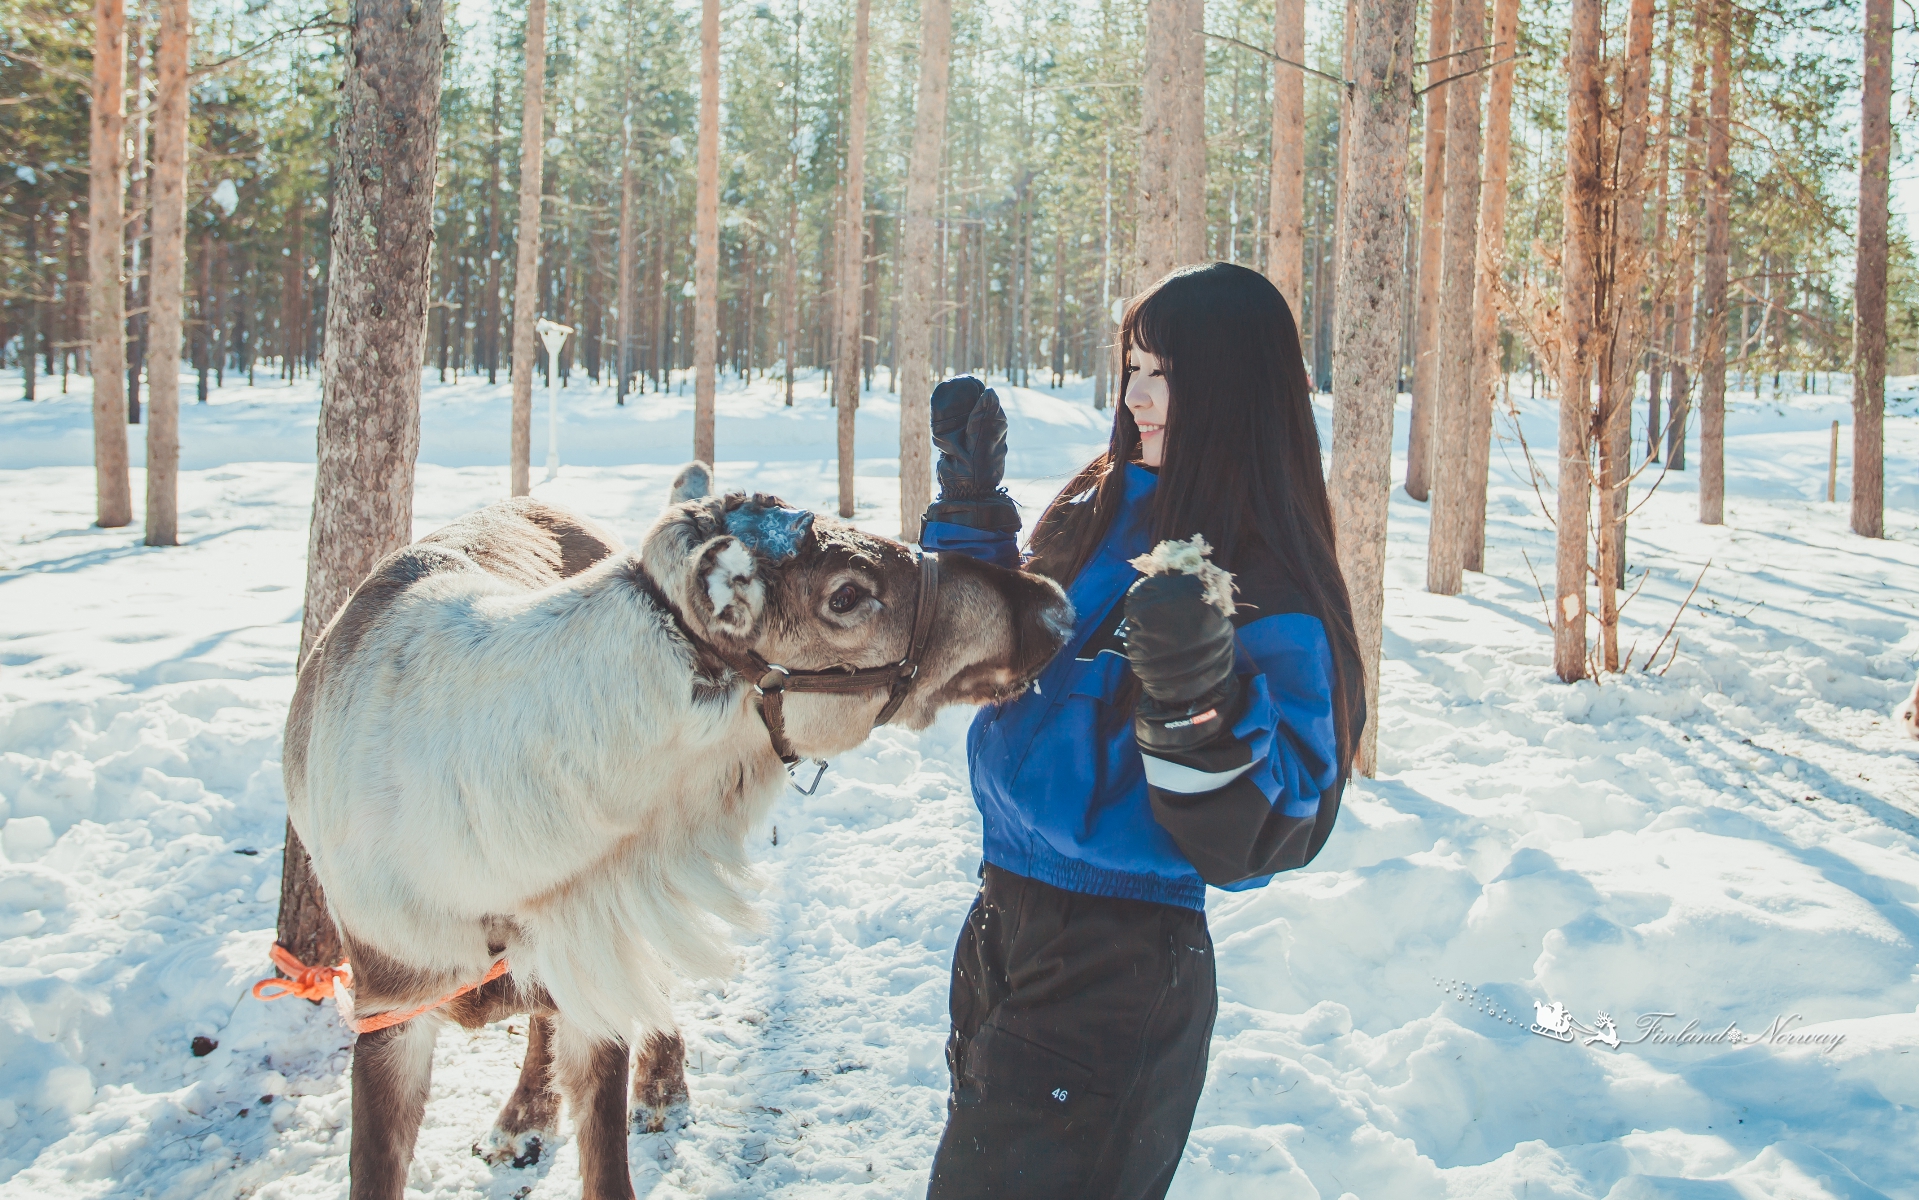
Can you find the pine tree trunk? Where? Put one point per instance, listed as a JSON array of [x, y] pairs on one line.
[[169, 272], [623, 355], [490, 322], [204, 325], [1451, 401], [73, 301], [790, 266], [1576, 340], [138, 277], [1490, 261], [106, 267], [1684, 276], [1659, 334], [443, 300], [1432, 242], [291, 280], [29, 353], [706, 229], [919, 269], [1189, 161], [1057, 365], [1624, 341], [1286, 221], [1156, 238], [1375, 116], [1869, 284], [526, 270], [869, 301], [381, 275], [1714, 269], [852, 256], [749, 305], [1023, 293]]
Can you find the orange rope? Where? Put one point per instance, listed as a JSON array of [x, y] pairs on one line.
[[308, 983], [316, 984], [387, 1019]]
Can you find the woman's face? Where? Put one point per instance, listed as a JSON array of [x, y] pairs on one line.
[[1147, 397]]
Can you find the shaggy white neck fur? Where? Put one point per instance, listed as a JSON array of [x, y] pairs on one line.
[[488, 752]]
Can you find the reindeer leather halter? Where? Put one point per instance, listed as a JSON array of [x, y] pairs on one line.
[[772, 681]]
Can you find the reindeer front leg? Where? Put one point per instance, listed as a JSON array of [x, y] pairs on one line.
[[531, 1119], [592, 1076], [659, 1081], [392, 1068]]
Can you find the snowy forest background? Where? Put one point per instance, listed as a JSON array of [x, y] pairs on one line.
[[1041, 150], [1690, 799]]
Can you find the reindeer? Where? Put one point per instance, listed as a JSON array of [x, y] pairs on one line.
[[525, 763], [1906, 713]]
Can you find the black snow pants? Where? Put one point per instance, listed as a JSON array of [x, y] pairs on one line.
[[1080, 1034]]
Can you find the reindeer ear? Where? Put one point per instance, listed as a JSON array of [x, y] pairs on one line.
[[694, 482], [669, 549], [724, 591]]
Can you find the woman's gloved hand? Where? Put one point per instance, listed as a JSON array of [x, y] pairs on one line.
[[1181, 647], [969, 430]]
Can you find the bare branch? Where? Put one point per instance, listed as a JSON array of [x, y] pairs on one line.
[[52, 68], [1270, 56], [1675, 623], [1541, 589], [1621, 607], [314, 24], [1475, 71], [1427, 62]]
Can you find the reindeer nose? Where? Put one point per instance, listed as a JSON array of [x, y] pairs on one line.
[[1047, 628], [1058, 619]]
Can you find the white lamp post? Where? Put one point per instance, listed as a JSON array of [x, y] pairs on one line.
[[554, 335]]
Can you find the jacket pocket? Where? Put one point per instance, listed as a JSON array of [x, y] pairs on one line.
[[1099, 677]]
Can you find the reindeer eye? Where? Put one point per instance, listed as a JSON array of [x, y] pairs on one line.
[[846, 598]]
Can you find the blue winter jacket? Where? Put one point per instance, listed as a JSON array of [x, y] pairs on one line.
[[1067, 798]]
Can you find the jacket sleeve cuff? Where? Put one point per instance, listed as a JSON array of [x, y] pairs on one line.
[[1241, 807], [1233, 833], [996, 546]]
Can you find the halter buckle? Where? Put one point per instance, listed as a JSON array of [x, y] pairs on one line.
[[793, 777]]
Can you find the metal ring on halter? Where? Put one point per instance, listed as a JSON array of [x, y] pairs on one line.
[[818, 775]]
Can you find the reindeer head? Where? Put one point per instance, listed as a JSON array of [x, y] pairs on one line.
[[1906, 713], [749, 573]]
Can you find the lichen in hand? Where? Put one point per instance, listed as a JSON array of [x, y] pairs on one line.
[[1191, 557]]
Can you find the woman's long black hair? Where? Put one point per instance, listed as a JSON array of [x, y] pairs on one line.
[[1242, 462]]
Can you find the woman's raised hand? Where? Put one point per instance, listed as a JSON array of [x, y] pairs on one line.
[[969, 430]]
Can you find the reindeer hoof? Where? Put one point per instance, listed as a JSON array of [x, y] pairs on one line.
[[499, 1148], [662, 1118]]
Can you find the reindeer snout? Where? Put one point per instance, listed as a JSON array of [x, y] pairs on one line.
[[1058, 620], [1041, 627]]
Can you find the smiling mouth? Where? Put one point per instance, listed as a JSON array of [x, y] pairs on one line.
[[1149, 430]]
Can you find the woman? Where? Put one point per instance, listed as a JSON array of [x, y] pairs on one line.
[[1185, 747]]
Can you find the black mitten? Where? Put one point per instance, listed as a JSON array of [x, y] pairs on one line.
[[1181, 647], [969, 430]]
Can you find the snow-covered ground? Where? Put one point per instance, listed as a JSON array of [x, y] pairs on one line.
[[1734, 841]]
